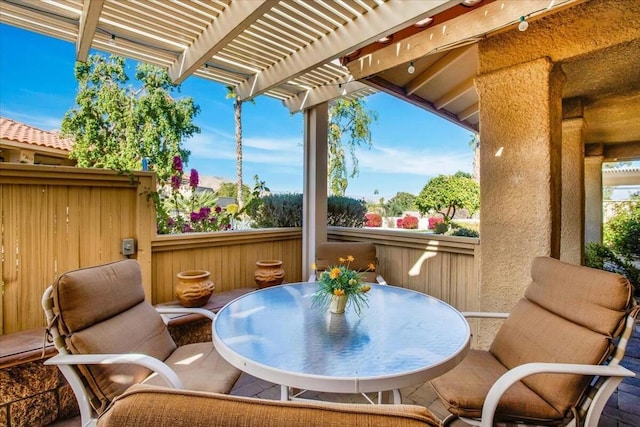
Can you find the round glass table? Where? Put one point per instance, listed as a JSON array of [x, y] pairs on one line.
[[402, 338]]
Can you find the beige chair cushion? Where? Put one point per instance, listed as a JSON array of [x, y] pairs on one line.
[[200, 367], [160, 407], [102, 311], [464, 388], [328, 254], [570, 314]]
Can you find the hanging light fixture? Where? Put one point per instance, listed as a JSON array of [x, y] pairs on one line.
[[411, 69], [523, 25]]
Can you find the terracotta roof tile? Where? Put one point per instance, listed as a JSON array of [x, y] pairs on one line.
[[20, 132]]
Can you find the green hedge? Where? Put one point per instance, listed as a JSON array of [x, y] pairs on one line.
[[285, 210]]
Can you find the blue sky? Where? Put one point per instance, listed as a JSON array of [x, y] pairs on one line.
[[410, 145]]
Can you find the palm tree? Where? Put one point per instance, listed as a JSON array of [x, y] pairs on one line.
[[237, 108]]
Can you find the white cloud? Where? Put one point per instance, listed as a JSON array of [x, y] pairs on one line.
[[410, 160]]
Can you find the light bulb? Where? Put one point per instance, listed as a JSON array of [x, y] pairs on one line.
[[342, 90], [411, 68], [112, 42], [523, 25]]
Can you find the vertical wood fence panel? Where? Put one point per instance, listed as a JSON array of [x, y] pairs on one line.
[[55, 219]]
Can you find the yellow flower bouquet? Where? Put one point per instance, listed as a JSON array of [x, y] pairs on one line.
[[342, 281]]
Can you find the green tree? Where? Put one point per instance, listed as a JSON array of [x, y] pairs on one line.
[[449, 192], [116, 126], [230, 189], [399, 203], [622, 232], [349, 124]]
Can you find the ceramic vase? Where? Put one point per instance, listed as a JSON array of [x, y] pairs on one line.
[[269, 273], [193, 288], [338, 303]]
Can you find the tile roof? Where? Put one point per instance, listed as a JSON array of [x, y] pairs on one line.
[[23, 133]]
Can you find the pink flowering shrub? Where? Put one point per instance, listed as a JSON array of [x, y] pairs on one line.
[[373, 220], [434, 221], [408, 222], [177, 209]]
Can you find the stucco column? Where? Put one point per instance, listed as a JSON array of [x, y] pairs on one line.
[[314, 204], [593, 199], [572, 229], [520, 148]]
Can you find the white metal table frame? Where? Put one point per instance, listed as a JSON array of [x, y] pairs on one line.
[[401, 339]]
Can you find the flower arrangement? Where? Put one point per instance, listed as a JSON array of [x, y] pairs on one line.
[[340, 280]]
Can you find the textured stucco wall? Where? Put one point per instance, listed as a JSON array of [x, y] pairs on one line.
[[520, 134], [568, 34], [593, 199], [572, 223]]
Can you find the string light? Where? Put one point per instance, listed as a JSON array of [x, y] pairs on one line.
[[342, 90], [523, 25], [411, 69], [112, 42]]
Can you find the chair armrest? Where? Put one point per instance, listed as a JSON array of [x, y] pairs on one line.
[[186, 310], [519, 372], [156, 365], [485, 315]]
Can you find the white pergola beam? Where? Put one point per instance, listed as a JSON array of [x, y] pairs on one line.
[[437, 68], [468, 112], [87, 26], [387, 18], [321, 94], [445, 36], [236, 18]]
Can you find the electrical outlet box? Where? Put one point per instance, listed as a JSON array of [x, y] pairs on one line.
[[128, 247]]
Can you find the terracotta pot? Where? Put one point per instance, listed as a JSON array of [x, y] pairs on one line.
[[193, 288], [269, 273], [338, 303]]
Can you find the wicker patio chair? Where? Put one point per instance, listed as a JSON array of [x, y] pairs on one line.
[[108, 338], [555, 360]]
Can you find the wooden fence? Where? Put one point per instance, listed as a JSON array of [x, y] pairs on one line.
[[54, 219]]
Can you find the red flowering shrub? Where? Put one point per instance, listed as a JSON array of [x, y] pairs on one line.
[[373, 220], [435, 221], [409, 222]]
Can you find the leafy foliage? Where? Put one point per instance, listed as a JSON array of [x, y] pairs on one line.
[[465, 232], [116, 126], [348, 129], [622, 232], [285, 210], [229, 189], [446, 193], [601, 257], [400, 203], [346, 211]]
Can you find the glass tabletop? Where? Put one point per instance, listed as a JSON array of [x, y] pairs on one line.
[[278, 335]]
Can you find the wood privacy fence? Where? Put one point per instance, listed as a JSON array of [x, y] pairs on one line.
[[54, 219]]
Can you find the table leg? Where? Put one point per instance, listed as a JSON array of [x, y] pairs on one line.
[[390, 397]]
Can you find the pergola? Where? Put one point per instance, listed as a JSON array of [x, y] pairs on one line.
[[550, 103]]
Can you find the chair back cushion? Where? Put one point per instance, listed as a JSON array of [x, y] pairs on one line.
[[569, 314], [102, 310], [364, 254], [146, 406]]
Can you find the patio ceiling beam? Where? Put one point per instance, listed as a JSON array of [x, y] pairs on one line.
[[466, 28], [469, 112], [440, 66], [87, 27], [385, 19], [318, 95], [454, 94], [236, 18]]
